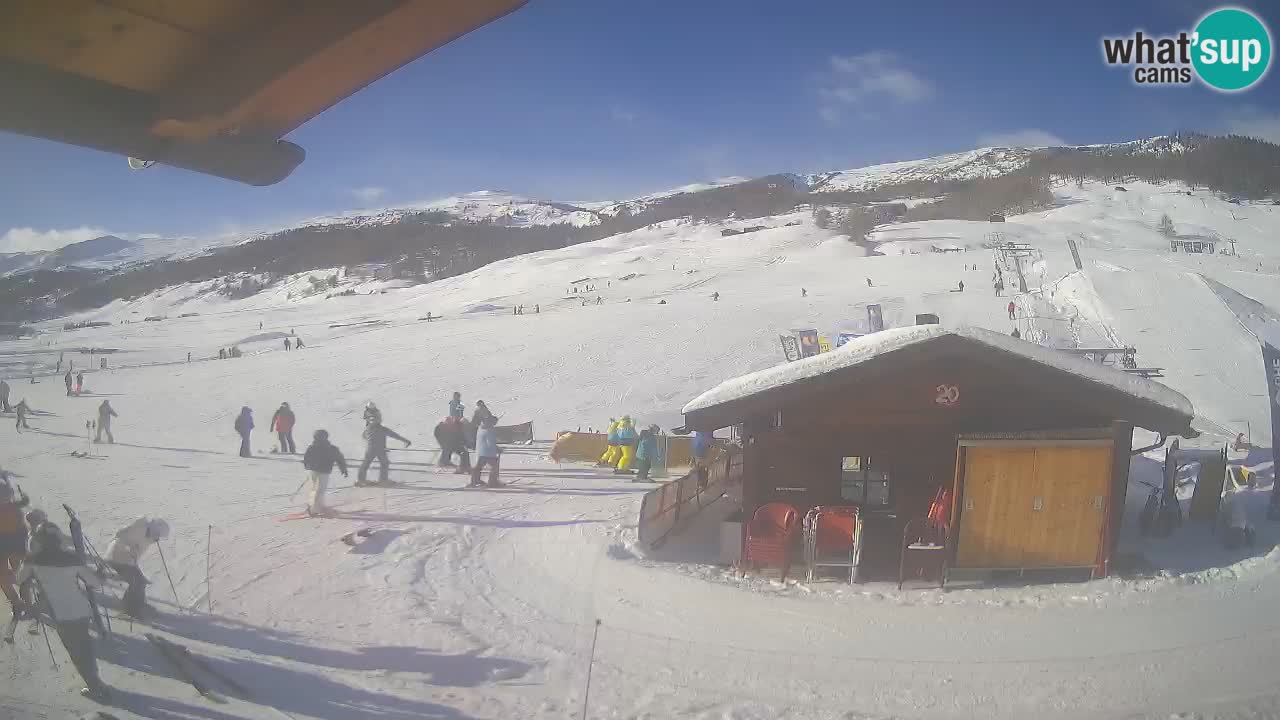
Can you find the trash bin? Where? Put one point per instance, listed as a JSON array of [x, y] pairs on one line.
[[731, 538]]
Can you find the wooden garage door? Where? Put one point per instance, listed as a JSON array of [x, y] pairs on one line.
[[1033, 506]]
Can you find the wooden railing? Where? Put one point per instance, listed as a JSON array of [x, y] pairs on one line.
[[665, 509]]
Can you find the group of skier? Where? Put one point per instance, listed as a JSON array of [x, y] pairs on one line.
[[624, 447], [46, 577]]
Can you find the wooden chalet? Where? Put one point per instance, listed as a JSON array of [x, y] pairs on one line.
[[1033, 444]]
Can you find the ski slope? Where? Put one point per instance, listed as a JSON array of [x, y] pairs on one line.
[[484, 604]]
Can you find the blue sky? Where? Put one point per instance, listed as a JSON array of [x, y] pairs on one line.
[[606, 99]]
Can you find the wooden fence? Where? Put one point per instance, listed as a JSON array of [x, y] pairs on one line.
[[666, 508]]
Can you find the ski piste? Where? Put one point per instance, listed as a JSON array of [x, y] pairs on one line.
[[168, 650]]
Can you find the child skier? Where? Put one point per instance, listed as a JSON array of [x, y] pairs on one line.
[[319, 460], [487, 453]]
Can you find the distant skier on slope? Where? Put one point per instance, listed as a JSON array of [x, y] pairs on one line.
[[66, 380], [1012, 311], [59, 573], [319, 460], [4, 396], [487, 454], [123, 555], [20, 412], [282, 423], [244, 426], [288, 345], [375, 436], [297, 344], [105, 413]]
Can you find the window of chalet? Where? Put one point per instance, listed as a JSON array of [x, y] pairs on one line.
[[862, 483]]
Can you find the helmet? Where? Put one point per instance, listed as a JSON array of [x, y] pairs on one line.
[[157, 529], [36, 517], [321, 436]]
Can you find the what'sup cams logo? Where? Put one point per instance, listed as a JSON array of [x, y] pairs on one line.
[[1229, 50]]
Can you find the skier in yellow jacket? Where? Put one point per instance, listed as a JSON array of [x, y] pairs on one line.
[[611, 453], [627, 439]]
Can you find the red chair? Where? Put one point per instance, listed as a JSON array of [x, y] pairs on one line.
[[832, 539], [924, 551], [769, 537]]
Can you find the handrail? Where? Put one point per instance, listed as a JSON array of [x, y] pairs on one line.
[[665, 509]]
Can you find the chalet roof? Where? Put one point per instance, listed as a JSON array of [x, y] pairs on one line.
[[1138, 400]]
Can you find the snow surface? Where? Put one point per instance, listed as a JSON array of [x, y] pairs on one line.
[[983, 162], [869, 347], [479, 604]]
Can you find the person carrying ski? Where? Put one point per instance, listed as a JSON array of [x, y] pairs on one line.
[[79, 382], [482, 414], [66, 379], [487, 453], [611, 451], [13, 541], [319, 460], [451, 434], [244, 426], [375, 436], [59, 572], [105, 413], [282, 423], [627, 439], [456, 408], [4, 396], [20, 412], [123, 554], [646, 451]]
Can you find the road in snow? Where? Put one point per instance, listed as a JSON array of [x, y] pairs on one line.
[[480, 604]]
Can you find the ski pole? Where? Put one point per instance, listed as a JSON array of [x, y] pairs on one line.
[[295, 492], [160, 550]]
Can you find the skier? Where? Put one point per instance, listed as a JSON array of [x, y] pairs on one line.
[[319, 460], [66, 379], [59, 573], [20, 411], [297, 344], [105, 413], [1012, 308], [244, 426], [288, 345], [123, 554], [282, 423], [715, 296], [960, 286], [537, 309], [4, 396], [222, 353], [13, 542], [599, 300], [481, 414], [188, 357], [79, 382], [372, 413], [627, 440], [804, 293], [610, 456], [487, 453], [451, 433], [869, 282], [646, 450], [701, 450], [456, 408], [375, 436]]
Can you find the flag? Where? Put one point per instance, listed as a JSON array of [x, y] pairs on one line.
[[1271, 364]]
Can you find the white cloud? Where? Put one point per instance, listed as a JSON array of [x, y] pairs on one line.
[[368, 194], [1020, 138], [875, 75], [26, 239], [623, 115], [1254, 123]]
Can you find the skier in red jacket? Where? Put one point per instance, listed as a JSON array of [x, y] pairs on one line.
[[282, 425]]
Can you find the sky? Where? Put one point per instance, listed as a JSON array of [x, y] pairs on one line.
[[608, 99]]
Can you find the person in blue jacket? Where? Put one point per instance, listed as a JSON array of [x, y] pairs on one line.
[[646, 452], [627, 439], [701, 448]]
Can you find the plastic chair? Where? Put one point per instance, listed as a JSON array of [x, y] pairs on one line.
[[924, 548], [769, 537], [832, 536]]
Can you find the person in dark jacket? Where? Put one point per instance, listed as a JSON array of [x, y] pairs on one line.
[[282, 423], [456, 408], [481, 414], [20, 414], [319, 460], [375, 436], [59, 573], [66, 379], [451, 433], [244, 426], [486, 453], [105, 413], [4, 396]]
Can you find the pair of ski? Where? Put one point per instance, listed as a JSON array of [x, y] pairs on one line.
[[186, 664]]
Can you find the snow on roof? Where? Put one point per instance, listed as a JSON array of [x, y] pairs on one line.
[[867, 347]]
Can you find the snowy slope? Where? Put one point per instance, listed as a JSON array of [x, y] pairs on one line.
[[479, 604], [984, 162]]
